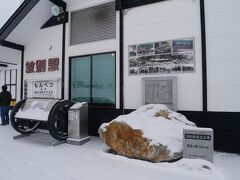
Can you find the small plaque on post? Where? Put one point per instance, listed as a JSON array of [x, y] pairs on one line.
[[198, 143]]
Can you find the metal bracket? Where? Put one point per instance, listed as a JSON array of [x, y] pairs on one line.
[[61, 18]]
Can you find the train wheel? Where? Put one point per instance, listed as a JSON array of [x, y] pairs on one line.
[[22, 126], [58, 120]]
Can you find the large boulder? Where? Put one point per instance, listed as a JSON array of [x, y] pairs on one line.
[[152, 132]]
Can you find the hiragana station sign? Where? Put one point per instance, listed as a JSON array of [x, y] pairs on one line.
[[44, 89], [40, 66]]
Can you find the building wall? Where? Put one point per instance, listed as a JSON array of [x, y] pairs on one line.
[[174, 20], [223, 57], [46, 43], [91, 47], [158, 22], [166, 20]]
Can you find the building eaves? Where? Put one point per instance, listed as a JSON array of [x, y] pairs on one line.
[[17, 17]]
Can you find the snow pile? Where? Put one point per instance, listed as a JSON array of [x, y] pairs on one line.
[[160, 130]]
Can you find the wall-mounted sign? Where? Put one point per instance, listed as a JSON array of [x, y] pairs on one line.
[[172, 56], [198, 143], [39, 66], [44, 89], [53, 64], [160, 90]]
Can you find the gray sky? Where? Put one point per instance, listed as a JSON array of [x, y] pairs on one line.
[[7, 8]]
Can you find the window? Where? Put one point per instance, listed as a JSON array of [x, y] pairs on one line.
[[11, 81], [93, 24], [92, 79]]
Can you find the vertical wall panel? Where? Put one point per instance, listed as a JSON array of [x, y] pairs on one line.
[[223, 36]]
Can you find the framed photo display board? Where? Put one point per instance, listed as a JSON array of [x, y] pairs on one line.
[[170, 56]]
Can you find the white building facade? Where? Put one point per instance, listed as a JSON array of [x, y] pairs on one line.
[[100, 50]]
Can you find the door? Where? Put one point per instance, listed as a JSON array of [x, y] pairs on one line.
[[93, 80]]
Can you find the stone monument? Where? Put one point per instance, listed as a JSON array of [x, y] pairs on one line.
[[198, 143]]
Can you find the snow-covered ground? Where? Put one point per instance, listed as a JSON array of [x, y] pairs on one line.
[[35, 158]]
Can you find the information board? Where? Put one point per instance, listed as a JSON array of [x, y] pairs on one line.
[[160, 90]]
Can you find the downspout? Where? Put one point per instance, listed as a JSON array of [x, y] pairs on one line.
[[121, 56], [22, 70], [63, 60], [204, 63]]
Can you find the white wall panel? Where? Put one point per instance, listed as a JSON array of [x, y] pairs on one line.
[[10, 55], [164, 21], [223, 48], [224, 86], [222, 23], [224, 73], [214, 6], [224, 98], [223, 57]]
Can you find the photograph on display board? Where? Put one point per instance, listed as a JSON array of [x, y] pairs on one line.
[[154, 69], [172, 56], [183, 58], [163, 47], [145, 49], [143, 70], [133, 70], [132, 51], [182, 45]]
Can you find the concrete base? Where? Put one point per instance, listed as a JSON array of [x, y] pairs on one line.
[[78, 142]]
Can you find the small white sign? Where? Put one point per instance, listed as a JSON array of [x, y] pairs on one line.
[[44, 89], [198, 143]]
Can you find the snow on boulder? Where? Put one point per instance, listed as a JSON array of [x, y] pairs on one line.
[[152, 132]]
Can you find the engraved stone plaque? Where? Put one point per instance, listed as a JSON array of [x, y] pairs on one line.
[[198, 143], [160, 90]]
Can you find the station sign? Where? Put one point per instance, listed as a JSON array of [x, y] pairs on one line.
[[44, 89]]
